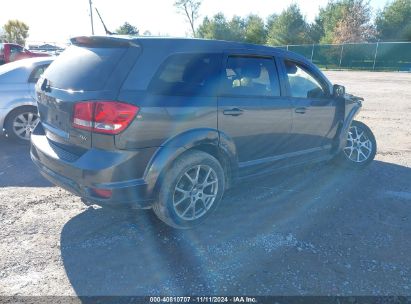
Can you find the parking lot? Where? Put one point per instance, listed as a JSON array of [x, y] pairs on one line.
[[320, 230]]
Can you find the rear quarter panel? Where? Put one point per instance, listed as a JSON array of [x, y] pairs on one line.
[[13, 96], [162, 118]]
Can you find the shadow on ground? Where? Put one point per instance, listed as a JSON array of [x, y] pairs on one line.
[[16, 167], [321, 230]]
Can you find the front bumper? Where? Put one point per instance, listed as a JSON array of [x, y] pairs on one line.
[[113, 170]]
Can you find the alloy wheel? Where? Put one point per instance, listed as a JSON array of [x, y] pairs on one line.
[[195, 192], [359, 147], [24, 124]]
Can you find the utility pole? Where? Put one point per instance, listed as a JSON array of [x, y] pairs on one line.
[[91, 17]]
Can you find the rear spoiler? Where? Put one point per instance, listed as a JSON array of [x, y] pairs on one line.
[[104, 41]]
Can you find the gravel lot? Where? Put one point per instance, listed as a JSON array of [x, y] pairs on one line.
[[315, 231]]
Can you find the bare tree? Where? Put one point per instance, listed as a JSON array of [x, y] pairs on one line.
[[189, 8]]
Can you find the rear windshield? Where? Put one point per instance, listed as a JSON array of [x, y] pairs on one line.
[[81, 68]]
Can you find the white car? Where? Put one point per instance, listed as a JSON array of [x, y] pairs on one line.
[[18, 109]]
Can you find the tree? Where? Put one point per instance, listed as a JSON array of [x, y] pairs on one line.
[[147, 33], [215, 28], [270, 21], [236, 29], [16, 31], [355, 24], [315, 32], [394, 21], [289, 27], [190, 8], [327, 21], [127, 29], [255, 31], [219, 28], [2, 35], [344, 21]]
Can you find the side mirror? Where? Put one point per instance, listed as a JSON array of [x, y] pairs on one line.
[[338, 91]]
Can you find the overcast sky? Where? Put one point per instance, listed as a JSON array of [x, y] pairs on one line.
[[58, 20]]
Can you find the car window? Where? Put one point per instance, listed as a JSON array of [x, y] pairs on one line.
[[251, 76], [187, 74], [15, 49], [84, 68], [303, 84], [37, 72]]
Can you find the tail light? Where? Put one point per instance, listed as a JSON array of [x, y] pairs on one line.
[[109, 117]]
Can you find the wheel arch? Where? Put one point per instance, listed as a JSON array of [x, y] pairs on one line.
[[207, 140], [351, 112]]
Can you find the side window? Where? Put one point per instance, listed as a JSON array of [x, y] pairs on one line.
[[302, 83], [37, 72], [187, 74], [15, 49], [250, 76]]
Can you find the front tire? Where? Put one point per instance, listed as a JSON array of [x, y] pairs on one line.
[[360, 148], [190, 191], [21, 122]]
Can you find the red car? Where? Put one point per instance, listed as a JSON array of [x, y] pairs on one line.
[[12, 52]]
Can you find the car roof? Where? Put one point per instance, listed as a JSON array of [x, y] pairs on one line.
[[186, 44], [24, 65], [35, 60]]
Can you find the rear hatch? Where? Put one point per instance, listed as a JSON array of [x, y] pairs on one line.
[[91, 69]]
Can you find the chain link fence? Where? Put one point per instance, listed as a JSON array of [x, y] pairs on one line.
[[390, 56]]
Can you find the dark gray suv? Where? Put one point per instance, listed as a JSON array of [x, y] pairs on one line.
[[169, 124]]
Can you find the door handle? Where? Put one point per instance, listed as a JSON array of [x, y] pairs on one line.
[[233, 112], [300, 110]]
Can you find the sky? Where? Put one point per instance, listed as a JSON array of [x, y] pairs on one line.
[[57, 20]]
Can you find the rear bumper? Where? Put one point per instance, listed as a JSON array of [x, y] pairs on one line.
[[117, 171]]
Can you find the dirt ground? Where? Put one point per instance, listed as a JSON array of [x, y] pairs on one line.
[[320, 230]]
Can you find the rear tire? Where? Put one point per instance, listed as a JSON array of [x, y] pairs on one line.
[[360, 148], [190, 191], [21, 122]]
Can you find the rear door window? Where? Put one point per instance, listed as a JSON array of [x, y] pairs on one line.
[[187, 74], [82, 68]]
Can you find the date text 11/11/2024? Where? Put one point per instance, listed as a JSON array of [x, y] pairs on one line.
[[203, 299]]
